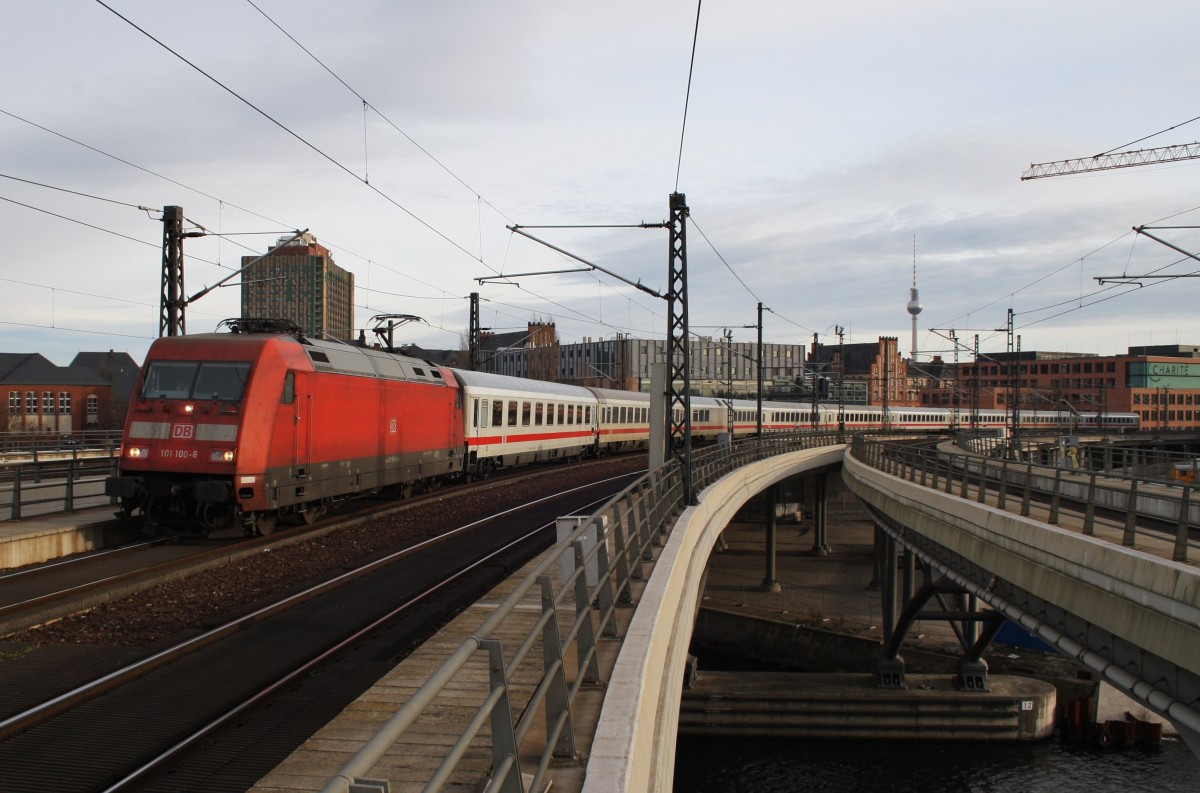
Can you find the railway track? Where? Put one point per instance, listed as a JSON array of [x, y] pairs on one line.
[[306, 655], [43, 593]]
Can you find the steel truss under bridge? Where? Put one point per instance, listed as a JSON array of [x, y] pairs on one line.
[[1148, 679]]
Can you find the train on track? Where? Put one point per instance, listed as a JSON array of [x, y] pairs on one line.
[[247, 426]]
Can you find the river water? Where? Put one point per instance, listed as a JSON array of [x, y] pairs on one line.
[[719, 765]]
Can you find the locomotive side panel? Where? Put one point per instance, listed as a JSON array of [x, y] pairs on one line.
[[354, 434]]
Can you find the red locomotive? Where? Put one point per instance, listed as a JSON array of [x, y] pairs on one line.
[[251, 425]]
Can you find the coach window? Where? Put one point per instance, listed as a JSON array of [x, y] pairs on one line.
[[570, 414], [526, 412], [561, 411], [497, 412], [621, 415], [512, 414], [289, 389], [587, 415], [538, 412]]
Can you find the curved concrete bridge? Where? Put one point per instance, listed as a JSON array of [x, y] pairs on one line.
[[634, 747]]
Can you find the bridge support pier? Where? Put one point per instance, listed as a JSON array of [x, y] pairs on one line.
[[770, 583], [820, 525], [904, 604]]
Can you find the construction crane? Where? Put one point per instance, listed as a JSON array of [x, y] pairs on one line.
[[1108, 161]]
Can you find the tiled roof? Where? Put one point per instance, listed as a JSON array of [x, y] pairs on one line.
[[35, 369], [117, 368]]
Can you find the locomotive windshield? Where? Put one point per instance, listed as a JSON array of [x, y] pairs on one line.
[[195, 380]]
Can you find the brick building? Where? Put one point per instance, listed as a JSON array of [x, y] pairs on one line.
[[1160, 384], [872, 373], [45, 398]]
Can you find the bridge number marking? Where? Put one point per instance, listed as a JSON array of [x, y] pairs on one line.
[[1027, 704]]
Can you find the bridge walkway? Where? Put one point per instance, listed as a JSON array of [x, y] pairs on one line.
[[411, 762], [1143, 537]]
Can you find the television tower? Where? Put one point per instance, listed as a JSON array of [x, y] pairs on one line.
[[914, 303]]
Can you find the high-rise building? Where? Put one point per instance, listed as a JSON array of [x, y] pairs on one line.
[[299, 282]]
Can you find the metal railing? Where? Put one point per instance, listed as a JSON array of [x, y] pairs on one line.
[[1110, 458], [971, 476], [46, 441], [56, 479], [626, 530]]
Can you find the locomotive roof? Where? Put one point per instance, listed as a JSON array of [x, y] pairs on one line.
[[332, 356]]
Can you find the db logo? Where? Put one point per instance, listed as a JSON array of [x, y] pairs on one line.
[[187, 431]]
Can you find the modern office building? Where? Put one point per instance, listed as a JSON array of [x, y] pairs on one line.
[[622, 362], [300, 282]]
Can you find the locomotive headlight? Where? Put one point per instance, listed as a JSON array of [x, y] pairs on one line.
[[189, 409], [222, 456], [138, 452]]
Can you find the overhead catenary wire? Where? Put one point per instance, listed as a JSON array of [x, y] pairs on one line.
[[1072, 263], [331, 243], [135, 166], [696, 226], [687, 97], [307, 143], [1148, 137], [76, 192], [313, 147], [80, 222], [368, 105], [101, 228], [74, 330]]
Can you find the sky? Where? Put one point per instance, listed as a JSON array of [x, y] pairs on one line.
[[824, 143]]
